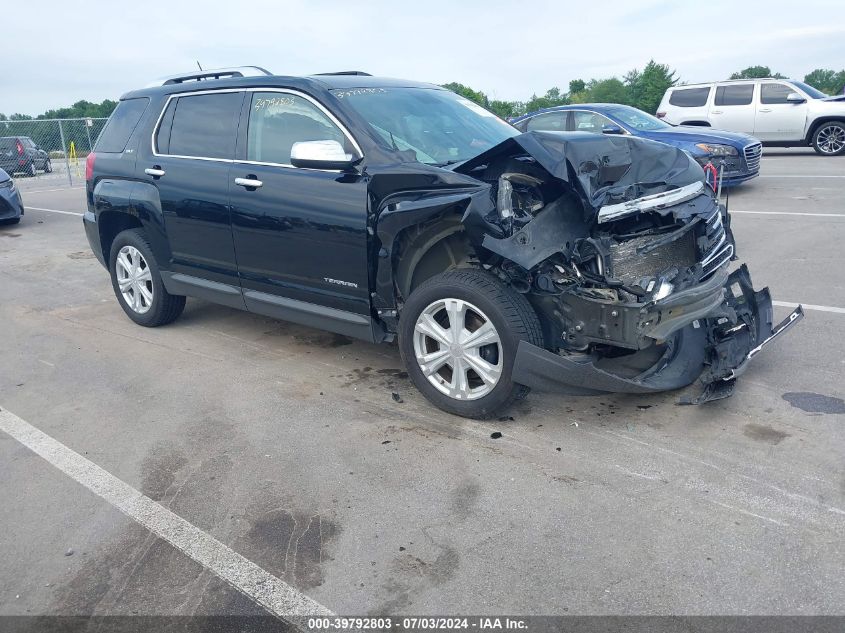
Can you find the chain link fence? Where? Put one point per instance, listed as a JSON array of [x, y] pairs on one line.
[[52, 150]]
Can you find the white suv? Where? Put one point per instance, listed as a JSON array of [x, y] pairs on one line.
[[779, 112]]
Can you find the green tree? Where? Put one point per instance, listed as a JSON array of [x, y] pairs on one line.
[[606, 91], [756, 72], [553, 97], [577, 85], [826, 80], [468, 93], [645, 89], [507, 109]]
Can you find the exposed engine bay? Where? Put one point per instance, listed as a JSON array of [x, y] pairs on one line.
[[624, 253]]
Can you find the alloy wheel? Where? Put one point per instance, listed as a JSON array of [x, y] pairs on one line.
[[134, 279], [458, 349], [831, 139]]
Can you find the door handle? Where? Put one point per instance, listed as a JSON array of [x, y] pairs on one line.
[[155, 172], [715, 112], [764, 110], [249, 183]]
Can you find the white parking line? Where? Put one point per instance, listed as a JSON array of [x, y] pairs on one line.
[[799, 176], [270, 592], [815, 215], [54, 211], [809, 306]]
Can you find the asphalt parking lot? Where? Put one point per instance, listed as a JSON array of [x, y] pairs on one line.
[[287, 447]]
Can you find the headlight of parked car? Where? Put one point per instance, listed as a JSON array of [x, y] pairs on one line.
[[717, 150]]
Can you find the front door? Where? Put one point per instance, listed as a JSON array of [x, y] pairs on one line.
[[301, 234], [190, 167], [779, 119]]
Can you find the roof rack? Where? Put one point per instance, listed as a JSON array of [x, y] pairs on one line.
[[211, 73], [347, 72]]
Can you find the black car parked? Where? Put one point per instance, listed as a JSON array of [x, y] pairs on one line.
[[382, 208], [21, 154], [11, 204]]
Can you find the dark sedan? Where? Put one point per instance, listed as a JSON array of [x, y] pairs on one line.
[[11, 205], [20, 154], [739, 153]]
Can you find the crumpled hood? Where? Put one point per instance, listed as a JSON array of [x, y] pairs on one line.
[[605, 169]]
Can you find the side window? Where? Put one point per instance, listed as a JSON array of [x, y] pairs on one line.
[[589, 122], [277, 120], [549, 122], [740, 94], [689, 97], [121, 124], [775, 93], [205, 126]]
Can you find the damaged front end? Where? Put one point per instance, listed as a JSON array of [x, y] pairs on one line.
[[624, 253]]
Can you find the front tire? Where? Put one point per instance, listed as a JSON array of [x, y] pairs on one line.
[[458, 335], [829, 138], [137, 282]]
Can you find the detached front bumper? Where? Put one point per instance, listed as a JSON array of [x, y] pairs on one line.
[[715, 349]]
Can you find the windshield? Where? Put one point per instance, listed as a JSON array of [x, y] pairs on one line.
[[809, 90], [637, 119], [438, 126]]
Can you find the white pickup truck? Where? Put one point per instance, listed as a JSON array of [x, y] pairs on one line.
[[779, 112]]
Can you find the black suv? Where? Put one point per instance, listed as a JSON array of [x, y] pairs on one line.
[[382, 208], [21, 154]]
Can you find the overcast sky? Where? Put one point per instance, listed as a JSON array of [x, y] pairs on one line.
[[101, 49]]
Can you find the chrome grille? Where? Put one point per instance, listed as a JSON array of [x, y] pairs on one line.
[[717, 251], [753, 153]]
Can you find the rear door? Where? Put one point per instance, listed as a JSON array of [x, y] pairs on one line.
[[190, 164], [778, 119], [733, 108], [301, 236]]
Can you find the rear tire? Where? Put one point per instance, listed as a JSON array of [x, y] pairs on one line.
[[829, 138], [137, 282], [31, 171], [490, 319], [48, 167]]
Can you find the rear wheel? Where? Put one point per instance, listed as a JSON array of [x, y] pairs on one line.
[[458, 335], [31, 170], [829, 138], [48, 167], [137, 282]]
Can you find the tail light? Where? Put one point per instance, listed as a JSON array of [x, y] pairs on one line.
[[19, 147], [660, 115], [89, 166]]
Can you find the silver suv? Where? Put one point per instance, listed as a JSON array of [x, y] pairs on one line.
[[780, 112]]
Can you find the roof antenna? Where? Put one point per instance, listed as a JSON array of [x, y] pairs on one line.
[[198, 65]]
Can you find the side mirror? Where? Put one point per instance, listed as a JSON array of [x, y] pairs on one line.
[[320, 155], [794, 97], [611, 129]]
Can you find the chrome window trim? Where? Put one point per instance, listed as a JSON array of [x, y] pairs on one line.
[[295, 93]]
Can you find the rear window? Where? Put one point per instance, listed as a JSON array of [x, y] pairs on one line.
[[204, 126], [10, 142], [734, 95], [120, 125], [689, 97]]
